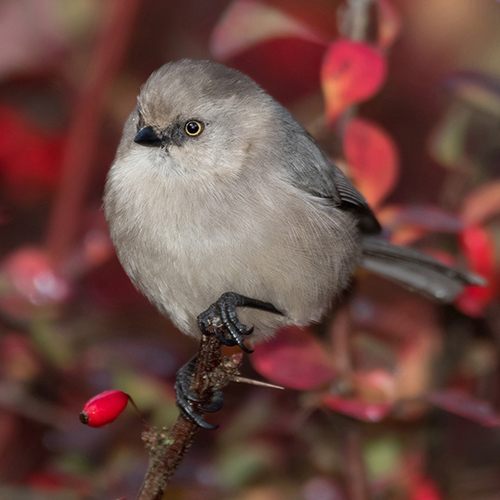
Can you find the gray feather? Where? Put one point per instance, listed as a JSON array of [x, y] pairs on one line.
[[416, 270], [309, 169]]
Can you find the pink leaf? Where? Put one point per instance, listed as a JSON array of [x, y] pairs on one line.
[[373, 159], [427, 217], [352, 72], [248, 22], [293, 358], [356, 408], [466, 406]]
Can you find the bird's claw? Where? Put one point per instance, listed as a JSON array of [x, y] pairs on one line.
[[223, 311], [190, 405]]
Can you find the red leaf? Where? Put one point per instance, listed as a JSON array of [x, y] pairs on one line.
[[425, 490], [274, 64], [482, 204], [466, 406], [248, 22], [352, 72], [30, 158], [373, 159], [104, 408], [356, 408], [389, 24], [294, 358], [478, 247]]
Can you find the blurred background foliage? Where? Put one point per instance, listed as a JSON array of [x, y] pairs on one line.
[[397, 397]]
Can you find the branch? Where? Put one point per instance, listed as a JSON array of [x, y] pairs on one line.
[[340, 331], [168, 448], [354, 23], [354, 465], [84, 128], [354, 20]]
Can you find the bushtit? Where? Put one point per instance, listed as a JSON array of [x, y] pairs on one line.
[[218, 198]]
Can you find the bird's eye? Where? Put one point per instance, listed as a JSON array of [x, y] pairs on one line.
[[193, 128]]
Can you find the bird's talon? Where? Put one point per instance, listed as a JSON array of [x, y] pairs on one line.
[[191, 406], [223, 340], [197, 419], [223, 313], [248, 332], [216, 403]]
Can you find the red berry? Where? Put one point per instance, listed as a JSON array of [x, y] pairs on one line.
[[104, 408]]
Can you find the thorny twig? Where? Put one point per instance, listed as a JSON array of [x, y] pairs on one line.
[[167, 448]]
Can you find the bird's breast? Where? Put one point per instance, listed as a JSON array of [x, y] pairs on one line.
[[183, 245]]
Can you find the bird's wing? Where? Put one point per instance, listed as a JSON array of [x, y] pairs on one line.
[[311, 170]]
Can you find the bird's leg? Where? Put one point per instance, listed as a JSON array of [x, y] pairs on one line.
[[190, 405], [221, 319]]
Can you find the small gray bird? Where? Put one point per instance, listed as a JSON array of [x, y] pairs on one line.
[[218, 198]]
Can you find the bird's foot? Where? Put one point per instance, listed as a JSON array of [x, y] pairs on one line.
[[192, 407], [223, 313]]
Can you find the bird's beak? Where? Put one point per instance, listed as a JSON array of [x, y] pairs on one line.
[[147, 137]]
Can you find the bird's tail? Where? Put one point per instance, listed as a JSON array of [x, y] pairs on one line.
[[415, 270]]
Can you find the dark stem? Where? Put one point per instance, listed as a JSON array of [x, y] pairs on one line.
[[340, 333], [354, 465], [354, 19], [168, 448], [109, 51], [354, 24]]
